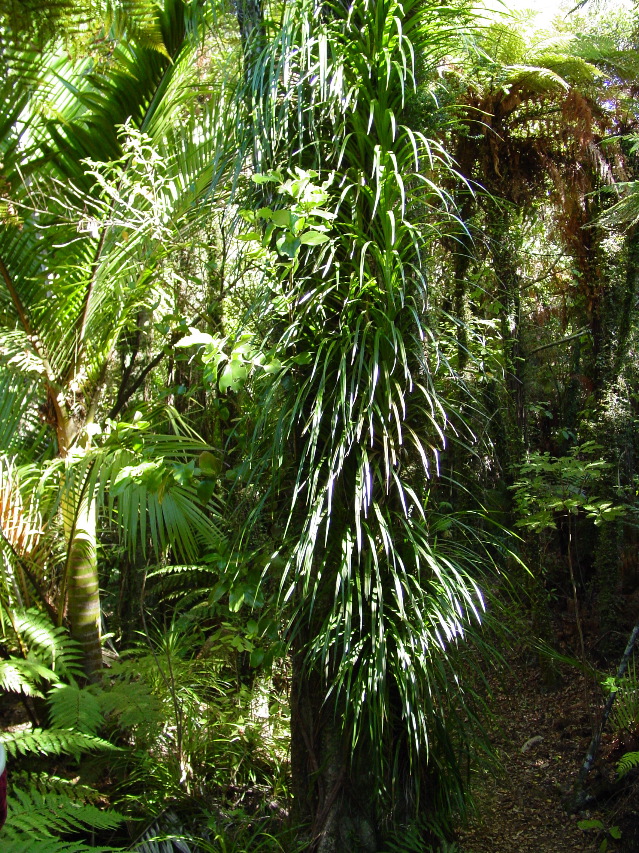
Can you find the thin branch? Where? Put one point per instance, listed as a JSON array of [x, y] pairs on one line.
[[577, 334], [546, 275], [126, 395], [15, 298], [579, 797]]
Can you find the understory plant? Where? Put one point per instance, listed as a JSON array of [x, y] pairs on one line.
[[197, 755], [46, 806]]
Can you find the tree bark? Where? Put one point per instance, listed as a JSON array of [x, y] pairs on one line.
[[331, 789], [83, 586]]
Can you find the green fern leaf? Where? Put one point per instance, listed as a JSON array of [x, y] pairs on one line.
[[47, 783], [75, 708], [40, 812], [24, 844], [22, 676], [52, 742], [52, 645], [132, 703], [628, 762], [51, 814]]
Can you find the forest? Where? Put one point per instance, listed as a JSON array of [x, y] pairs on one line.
[[319, 408]]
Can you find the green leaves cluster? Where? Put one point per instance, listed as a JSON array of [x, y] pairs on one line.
[[229, 362], [551, 486], [304, 223]]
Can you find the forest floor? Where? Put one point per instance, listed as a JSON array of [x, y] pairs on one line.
[[541, 737]]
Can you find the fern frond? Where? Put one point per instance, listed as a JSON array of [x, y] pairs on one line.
[[132, 703], [184, 586], [47, 783], [26, 844], [75, 708], [22, 676], [630, 761], [52, 742], [51, 644], [43, 807], [44, 813]]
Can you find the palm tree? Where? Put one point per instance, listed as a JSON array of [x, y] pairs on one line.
[[104, 171]]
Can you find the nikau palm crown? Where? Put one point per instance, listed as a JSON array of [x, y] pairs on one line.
[[100, 173]]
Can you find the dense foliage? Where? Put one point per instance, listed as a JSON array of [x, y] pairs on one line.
[[318, 362]]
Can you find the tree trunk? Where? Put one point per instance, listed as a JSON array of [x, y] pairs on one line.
[[504, 257], [332, 790], [83, 587], [250, 20]]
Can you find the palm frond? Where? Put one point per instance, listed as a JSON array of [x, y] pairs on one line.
[[625, 212]]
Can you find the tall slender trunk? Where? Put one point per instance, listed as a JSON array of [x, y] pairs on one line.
[[250, 19], [504, 259], [80, 585], [332, 787], [83, 586]]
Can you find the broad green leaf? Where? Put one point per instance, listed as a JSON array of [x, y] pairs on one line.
[[209, 464], [314, 238], [287, 246], [282, 218], [195, 338], [206, 490]]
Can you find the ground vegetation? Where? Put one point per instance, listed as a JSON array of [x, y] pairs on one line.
[[318, 392]]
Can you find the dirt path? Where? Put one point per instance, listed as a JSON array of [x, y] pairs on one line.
[[541, 738]]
